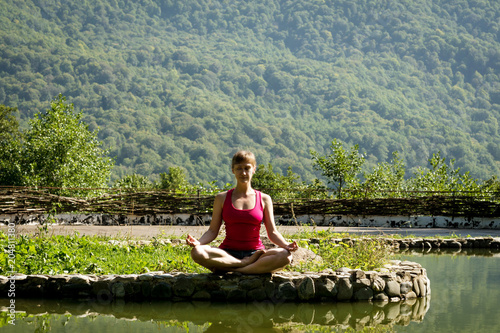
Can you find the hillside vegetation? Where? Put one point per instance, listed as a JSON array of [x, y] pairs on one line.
[[185, 83]]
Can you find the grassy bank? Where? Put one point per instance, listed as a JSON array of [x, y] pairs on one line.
[[49, 254]]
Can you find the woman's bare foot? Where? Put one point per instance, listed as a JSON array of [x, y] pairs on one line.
[[221, 269], [253, 258]]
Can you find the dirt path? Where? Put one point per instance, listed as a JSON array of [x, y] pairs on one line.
[[145, 232]]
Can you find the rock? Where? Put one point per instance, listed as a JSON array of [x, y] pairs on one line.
[[75, 290], [343, 270], [416, 287], [99, 286], [257, 295], [364, 294], [405, 287], [378, 284], [358, 274], [183, 287], [202, 295], [381, 297], [451, 243], [326, 288], [306, 289], [145, 277], [118, 290], [304, 255], [250, 284], [162, 290], [392, 288], [78, 279], [411, 295], [286, 291], [344, 289], [361, 283], [146, 289], [236, 295], [422, 287]]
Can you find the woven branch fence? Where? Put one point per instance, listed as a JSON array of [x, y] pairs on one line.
[[21, 201]]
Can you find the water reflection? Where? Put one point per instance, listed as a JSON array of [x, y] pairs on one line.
[[461, 251], [211, 317], [465, 291]]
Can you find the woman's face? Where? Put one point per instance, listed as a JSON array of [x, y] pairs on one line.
[[243, 171]]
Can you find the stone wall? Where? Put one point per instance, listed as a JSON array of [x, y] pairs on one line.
[[394, 282], [489, 243], [416, 221]]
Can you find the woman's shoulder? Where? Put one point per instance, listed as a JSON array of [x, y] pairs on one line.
[[221, 195], [266, 199]]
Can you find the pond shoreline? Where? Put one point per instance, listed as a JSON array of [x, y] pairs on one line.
[[396, 281]]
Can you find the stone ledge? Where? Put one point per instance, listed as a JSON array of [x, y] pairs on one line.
[[492, 243], [396, 281]]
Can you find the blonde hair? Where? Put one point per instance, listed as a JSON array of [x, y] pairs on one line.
[[243, 156]]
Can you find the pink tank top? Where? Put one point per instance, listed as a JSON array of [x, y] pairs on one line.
[[242, 225]]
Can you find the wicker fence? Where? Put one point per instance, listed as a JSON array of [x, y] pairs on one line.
[[21, 201]]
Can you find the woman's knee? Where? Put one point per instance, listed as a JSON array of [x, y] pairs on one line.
[[198, 254], [288, 257], [285, 256]]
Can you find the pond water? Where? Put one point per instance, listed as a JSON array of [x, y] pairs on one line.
[[465, 292], [465, 298]]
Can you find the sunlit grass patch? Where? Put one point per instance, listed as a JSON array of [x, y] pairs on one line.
[[93, 255], [100, 255]]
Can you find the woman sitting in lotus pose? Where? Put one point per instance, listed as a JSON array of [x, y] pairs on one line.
[[242, 209]]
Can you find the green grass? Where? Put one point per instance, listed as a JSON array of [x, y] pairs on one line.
[[100, 255], [93, 255]]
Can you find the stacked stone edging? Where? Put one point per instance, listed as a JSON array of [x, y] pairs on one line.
[[394, 282], [492, 243]]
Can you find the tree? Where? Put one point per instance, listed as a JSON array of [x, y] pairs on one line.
[[134, 181], [340, 167], [9, 126], [388, 178], [175, 179], [60, 151], [10, 148], [278, 186], [442, 177]]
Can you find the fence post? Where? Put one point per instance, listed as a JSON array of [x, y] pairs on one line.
[[198, 200]]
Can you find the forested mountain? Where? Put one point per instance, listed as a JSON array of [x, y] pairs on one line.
[[187, 82]]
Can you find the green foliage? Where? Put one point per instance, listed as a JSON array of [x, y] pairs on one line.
[[93, 255], [341, 167], [175, 179], [442, 177], [188, 82], [386, 179], [9, 126], [100, 255], [60, 151], [133, 181], [10, 149], [279, 187]]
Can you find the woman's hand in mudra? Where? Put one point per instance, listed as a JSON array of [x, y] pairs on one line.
[[191, 241], [292, 247]]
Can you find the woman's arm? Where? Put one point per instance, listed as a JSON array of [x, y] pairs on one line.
[[273, 233], [215, 224]]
